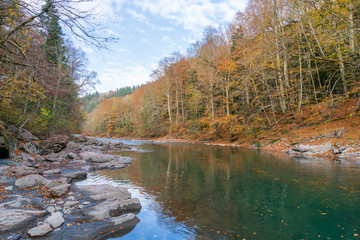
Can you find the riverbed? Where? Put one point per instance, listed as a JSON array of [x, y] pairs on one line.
[[212, 192]]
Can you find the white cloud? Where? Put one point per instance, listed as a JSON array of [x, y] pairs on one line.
[[141, 31], [138, 16], [189, 40], [122, 76], [165, 29], [146, 40], [194, 15], [166, 38]]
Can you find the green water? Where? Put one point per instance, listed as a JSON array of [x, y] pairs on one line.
[[208, 192]]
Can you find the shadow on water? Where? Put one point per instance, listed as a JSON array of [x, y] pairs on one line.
[[209, 192]]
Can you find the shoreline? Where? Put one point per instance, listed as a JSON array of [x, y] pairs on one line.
[[38, 197], [325, 148]]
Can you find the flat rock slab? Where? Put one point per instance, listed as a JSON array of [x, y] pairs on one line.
[[18, 201], [20, 171], [40, 230], [104, 191], [101, 157], [97, 230], [55, 157], [31, 181], [52, 171], [16, 219], [313, 149]]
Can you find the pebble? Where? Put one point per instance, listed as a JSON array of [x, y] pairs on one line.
[[51, 209], [70, 204], [9, 188]]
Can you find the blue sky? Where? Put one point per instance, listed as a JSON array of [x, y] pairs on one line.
[[147, 31]]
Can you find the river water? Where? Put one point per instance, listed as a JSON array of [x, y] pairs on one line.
[[212, 192]]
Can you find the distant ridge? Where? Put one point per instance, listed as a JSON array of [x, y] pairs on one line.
[[91, 100]]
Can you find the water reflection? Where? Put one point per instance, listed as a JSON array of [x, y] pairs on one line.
[[208, 192]]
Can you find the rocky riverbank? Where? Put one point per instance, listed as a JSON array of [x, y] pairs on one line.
[[341, 145], [38, 197]]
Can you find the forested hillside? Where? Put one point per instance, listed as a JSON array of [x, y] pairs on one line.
[[279, 62], [91, 100], [42, 72]]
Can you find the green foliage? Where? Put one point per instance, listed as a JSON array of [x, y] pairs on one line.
[[91, 100]]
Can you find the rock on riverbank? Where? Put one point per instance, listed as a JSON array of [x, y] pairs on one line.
[[39, 200]]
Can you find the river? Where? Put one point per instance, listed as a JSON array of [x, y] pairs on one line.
[[212, 192]]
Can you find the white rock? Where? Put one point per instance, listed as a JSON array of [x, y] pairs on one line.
[[40, 230], [55, 220]]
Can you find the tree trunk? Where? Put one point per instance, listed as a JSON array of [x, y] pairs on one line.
[[342, 69]]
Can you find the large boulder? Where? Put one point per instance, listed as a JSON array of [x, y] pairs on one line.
[[31, 148], [25, 135], [110, 208], [12, 130], [78, 138], [75, 176], [7, 143], [31, 181], [54, 144], [60, 190], [313, 149]]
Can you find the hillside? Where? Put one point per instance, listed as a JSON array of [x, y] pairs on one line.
[[91, 100], [280, 72]]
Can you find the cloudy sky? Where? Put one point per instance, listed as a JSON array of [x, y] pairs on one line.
[[147, 31]]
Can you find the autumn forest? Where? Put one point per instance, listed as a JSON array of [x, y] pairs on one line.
[[278, 62]]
